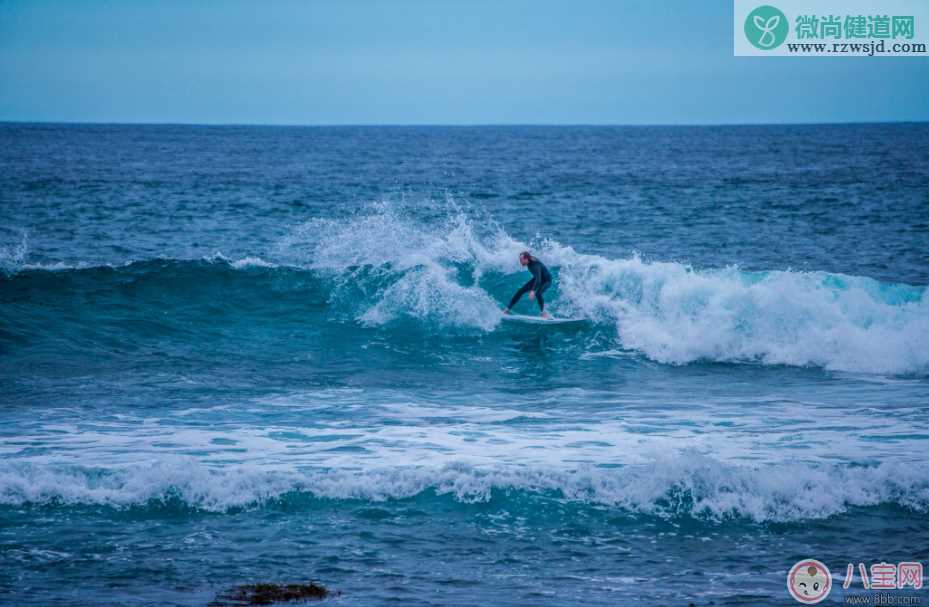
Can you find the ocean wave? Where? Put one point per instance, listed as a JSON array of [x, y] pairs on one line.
[[675, 314], [685, 486], [391, 270], [18, 266], [458, 272]]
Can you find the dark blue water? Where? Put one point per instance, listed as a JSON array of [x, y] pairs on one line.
[[242, 354]]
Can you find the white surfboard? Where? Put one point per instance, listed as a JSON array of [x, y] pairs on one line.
[[538, 320]]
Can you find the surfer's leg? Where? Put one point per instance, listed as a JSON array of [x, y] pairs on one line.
[[523, 289], [538, 295]]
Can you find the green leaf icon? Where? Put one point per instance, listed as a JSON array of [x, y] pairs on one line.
[[766, 27]]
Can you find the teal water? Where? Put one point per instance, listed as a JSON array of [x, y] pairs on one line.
[[240, 354]]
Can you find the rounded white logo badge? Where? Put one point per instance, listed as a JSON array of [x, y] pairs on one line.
[[809, 581]]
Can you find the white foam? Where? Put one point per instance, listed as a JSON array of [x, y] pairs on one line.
[[686, 485], [389, 445], [252, 262], [239, 264], [432, 293], [675, 314], [668, 311]]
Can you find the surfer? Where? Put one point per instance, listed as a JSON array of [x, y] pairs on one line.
[[541, 280]]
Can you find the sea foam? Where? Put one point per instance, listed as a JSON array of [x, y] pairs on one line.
[[454, 272], [687, 485]]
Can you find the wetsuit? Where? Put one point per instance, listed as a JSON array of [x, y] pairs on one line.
[[541, 280]]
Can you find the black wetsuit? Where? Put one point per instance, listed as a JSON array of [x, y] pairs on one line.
[[541, 280]]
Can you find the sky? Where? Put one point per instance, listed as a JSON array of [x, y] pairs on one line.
[[424, 62]]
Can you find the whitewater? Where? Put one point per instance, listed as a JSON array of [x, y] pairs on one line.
[[386, 267]]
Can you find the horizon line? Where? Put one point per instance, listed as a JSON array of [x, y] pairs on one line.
[[454, 124]]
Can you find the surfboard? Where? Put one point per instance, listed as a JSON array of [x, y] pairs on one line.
[[538, 320]]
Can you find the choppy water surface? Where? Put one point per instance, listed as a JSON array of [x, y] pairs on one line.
[[237, 354]]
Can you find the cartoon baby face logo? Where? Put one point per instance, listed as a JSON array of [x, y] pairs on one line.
[[809, 581]]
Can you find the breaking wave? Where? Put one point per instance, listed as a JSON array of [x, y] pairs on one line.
[[386, 268], [687, 485]]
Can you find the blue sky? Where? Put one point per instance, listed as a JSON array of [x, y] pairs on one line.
[[424, 62]]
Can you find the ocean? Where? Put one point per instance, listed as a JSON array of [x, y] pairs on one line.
[[241, 354]]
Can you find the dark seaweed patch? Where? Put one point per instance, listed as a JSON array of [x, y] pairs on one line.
[[269, 594]]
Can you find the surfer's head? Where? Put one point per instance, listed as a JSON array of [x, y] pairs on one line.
[[524, 258]]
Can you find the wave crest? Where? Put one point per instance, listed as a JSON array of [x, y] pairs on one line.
[[390, 268], [454, 273], [689, 485]]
